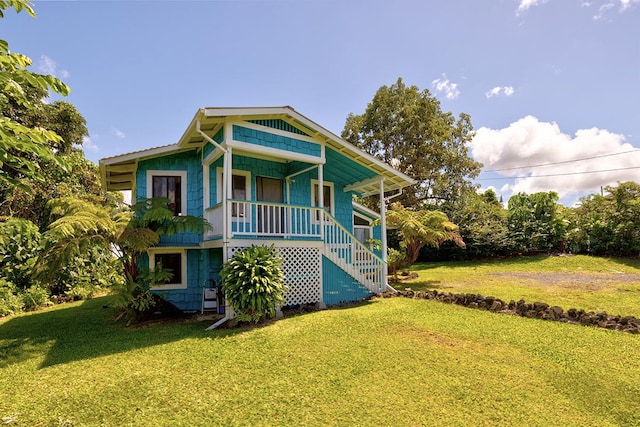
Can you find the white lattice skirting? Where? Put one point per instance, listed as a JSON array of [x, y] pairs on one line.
[[301, 268]]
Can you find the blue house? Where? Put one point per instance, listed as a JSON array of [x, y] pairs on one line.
[[264, 176]]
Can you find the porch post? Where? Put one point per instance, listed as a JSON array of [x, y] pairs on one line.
[[321, 198], [228, 193], [383, 229]]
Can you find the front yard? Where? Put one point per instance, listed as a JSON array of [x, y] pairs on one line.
[[391, 361]]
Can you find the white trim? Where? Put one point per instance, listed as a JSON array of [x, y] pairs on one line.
[[152, 265], [361, 216], [364, 210], [219, 183], [331, 191], [137, 155], [275, 152], [213, 156], [183, 185]]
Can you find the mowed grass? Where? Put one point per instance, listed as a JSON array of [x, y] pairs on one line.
[[391, 362], [582, 282]]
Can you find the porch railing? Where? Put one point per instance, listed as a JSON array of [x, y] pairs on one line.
[[353, 256], [251, 219]]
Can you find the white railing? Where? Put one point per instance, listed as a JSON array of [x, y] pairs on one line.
[[353, 256], [249, 219]]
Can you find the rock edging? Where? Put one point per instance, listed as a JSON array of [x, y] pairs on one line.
[[535, 310]]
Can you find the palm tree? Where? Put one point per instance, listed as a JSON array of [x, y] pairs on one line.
[[419, 228], [128, 233]]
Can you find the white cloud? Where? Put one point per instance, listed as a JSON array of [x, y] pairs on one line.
[[622, 6], [446, 87], [48, 66], [500, 90], [118, 133], [530, 142], [526, 4], [89, 145]]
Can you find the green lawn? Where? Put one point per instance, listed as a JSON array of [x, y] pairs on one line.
[[396, 362]]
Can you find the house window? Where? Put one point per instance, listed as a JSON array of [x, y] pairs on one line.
[[240, 190], [362, 228], [171, 185], [327, 195], [170, 259]]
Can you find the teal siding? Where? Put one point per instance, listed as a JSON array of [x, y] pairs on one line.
[[339, 287], [190, 298], [281, 142], [278, 124], [257, 167], [190, 162], [208, 147]]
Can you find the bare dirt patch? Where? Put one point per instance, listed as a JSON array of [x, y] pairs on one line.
[[586, 281]]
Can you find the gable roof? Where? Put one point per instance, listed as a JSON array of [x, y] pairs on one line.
[[118, 171]]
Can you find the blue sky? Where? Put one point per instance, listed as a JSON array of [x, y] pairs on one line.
[[544, 81]]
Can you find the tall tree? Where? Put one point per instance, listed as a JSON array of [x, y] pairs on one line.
[[483, 224], [20, 143], [534, 222], [406, 128], [608, 224]]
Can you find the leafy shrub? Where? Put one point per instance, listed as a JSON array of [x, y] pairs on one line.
[[396, 260], [10, 303], [35, 297], [19, 249], [135, 299], [253, 282]]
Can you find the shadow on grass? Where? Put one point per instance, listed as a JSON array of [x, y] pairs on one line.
[[84, 331]]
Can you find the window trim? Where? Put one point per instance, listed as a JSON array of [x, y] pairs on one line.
[[183, 259], [331, 196], [219, 183], [183, 185]]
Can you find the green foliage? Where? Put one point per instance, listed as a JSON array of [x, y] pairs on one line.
[[396, 260], [253, 282], [10, 300], [483, 225], [609, 224], [78, 228], [35, 297], [406, 128], [19, 249], [132, 299], [21, 144], [419, 228], [534, 223]]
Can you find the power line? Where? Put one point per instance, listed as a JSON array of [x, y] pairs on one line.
[[557, 174], [561, 162]]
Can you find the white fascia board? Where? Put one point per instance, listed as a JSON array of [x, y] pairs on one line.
[[275, 152], [136, 155], [362, 208], [245, 111]]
